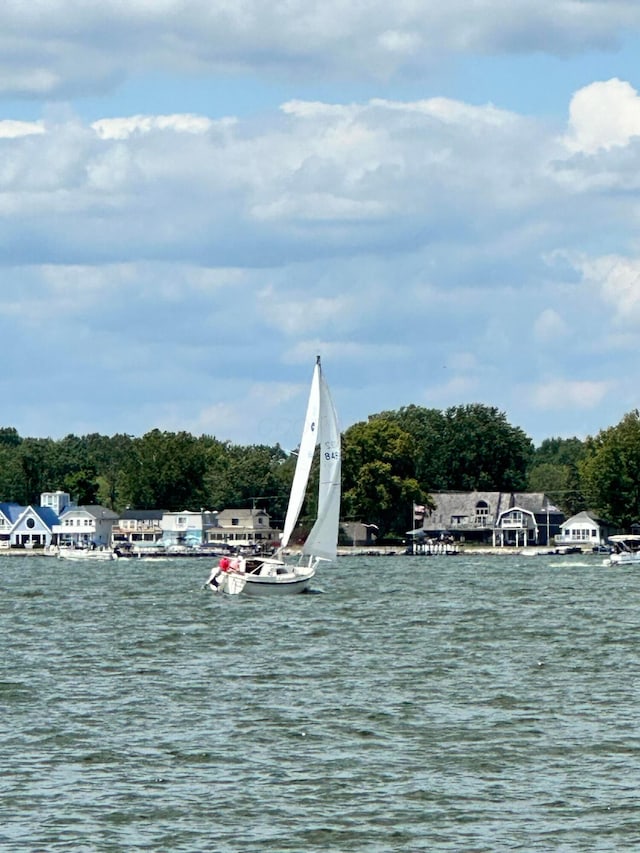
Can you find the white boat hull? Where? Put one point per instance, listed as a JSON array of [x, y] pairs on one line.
[[282, 585], [259, 577], [78, 554], [623, 560], [626, 550]]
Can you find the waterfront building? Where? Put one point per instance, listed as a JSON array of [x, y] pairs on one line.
[[244, 528], [187, 528], [10, 512], [85, 526], [495, 518], [33, 528], [137, 527], [585, 528]]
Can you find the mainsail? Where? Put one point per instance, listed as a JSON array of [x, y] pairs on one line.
[[320, 427], [323, 539], [306, 451]]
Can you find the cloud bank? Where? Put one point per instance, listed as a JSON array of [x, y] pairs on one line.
[[181, 270]]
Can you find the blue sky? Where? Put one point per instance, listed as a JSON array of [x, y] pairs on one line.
[[198, 196]]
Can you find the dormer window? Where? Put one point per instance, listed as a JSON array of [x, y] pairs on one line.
[[482, 512]]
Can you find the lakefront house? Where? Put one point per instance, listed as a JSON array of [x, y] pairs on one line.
[[491, 518], [585, 528]]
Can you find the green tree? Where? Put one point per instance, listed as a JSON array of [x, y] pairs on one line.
[[427, 427], [252, 476], [9, 437], [379, 481], [110, 456], [558, 451], [166, 471], [12, 482], [483, 451], [610, 471], [554, 470], [38, 469]]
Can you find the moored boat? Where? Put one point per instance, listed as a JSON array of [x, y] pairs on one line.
[[626, 550], [93, 554]]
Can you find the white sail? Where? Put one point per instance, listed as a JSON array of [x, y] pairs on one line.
[[256, 575], [323, 540], [306, 452]]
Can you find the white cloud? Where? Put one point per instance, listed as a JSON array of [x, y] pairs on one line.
[[227, 184], [603, 115], [185, 270], [121, 128], [569, 393], [549, 326], [91, 48], [616, 280], [11, 129]]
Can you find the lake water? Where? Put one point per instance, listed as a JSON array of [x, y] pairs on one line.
[[414, 703]]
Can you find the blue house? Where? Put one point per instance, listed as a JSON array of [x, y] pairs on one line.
[[9, 514], [33, 527]]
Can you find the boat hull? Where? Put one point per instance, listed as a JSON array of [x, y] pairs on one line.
[[80, 555], [276, 586], [623, 560], [264, 578]]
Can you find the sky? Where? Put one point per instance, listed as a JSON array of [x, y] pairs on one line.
[[197, 197]]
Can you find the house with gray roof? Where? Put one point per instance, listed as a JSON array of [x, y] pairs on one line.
[[82, 526], [138, 527], [585, 528], [496, 518]]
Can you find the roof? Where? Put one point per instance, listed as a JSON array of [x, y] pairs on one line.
[[449, 504], [583, 516], [241, 513], [458, 503], [11, 510], [142, 514], [98, 512], [534, 502], [46, 515]]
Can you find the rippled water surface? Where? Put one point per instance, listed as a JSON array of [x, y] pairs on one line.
[[428, 703]]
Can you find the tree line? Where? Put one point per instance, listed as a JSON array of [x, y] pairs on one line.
[[390, 461]]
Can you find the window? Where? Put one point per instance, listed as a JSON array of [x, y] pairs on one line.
[[482, 513], [30, 523]]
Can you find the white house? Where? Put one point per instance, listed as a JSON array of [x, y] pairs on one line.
[[244, 528], [85, 525], [516, 526], [584, 529]]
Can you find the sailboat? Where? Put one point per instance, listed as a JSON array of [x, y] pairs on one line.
[[275, 575]]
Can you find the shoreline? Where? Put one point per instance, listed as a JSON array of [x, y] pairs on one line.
[[351, 551]]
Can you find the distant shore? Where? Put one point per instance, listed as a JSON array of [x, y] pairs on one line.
[[351, 551]]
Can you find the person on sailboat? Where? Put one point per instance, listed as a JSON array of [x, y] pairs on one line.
[[236, 565], [218, 572]]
